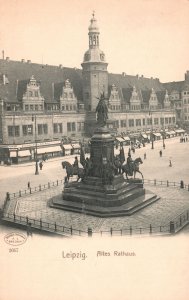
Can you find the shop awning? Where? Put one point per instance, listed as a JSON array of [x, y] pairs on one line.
[[13, 154], [157, 134], [76, 146], [24, 153], [49, 150], [67, 147], [134, 135], [180, 131], [126, 138], [170, 132], [144, 136], [120, 139]]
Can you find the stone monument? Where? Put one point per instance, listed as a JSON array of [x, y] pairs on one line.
[[103, 192]]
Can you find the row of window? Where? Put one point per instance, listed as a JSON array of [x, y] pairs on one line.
[[135, 107], [186, 101], [33, 93], [14, 131], [148, 121], [69, 107], [68, 95], [115, 107], [33, 107]]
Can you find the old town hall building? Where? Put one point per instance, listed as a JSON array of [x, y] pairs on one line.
[[43, 104]]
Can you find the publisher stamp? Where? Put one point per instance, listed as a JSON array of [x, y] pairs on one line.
[[15, 239]]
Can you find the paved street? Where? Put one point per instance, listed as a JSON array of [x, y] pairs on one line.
[[173, 201]]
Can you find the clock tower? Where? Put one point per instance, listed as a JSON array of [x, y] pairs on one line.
[[95, 75]]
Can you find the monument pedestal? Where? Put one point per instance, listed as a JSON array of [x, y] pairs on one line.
[[103, 193], [120, 198]]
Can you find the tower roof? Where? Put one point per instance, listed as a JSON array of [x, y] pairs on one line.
[[93, 27]]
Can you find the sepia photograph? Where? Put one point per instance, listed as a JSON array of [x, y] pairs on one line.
[[94, 149]]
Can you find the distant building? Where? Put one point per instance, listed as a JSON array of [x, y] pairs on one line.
[[179, 98], [46, 103]]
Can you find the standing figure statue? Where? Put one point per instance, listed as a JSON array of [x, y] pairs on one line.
[[102, 111], [130, 165]]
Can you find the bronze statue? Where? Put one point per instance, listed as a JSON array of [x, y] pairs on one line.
[[102, 111]]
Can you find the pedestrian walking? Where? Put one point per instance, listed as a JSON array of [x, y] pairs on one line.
[[170, 163], [29, 230], [41, 165], [145, 155], [160, 153], [28, 185]]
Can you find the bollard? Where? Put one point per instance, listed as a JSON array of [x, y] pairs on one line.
[[90, 231], [172, 227], [7, 196], [181, 184], [111, 231], [130, 230]]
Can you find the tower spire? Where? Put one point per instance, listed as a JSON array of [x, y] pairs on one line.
[[93, 32]]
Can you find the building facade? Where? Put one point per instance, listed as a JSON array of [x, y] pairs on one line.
[[42, 103]]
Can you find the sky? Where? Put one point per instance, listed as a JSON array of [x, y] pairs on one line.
[[144, 37]]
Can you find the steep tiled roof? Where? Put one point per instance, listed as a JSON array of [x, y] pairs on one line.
[[127, 93], [175, 85], [141, 83], [161, 96], [46, 75], [146, 95], [52, 78]]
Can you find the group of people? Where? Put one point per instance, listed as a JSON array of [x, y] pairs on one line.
[[184, 139]]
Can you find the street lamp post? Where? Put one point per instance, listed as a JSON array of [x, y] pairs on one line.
[[152, 141], [36, 162], [164, 139], [152, 138]]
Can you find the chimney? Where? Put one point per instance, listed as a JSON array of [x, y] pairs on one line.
[[60, 66], [187, 76], [7, 58], [22, 60], [3, 54], [28, 61]]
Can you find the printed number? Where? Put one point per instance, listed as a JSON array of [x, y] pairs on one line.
[[13, 250]]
